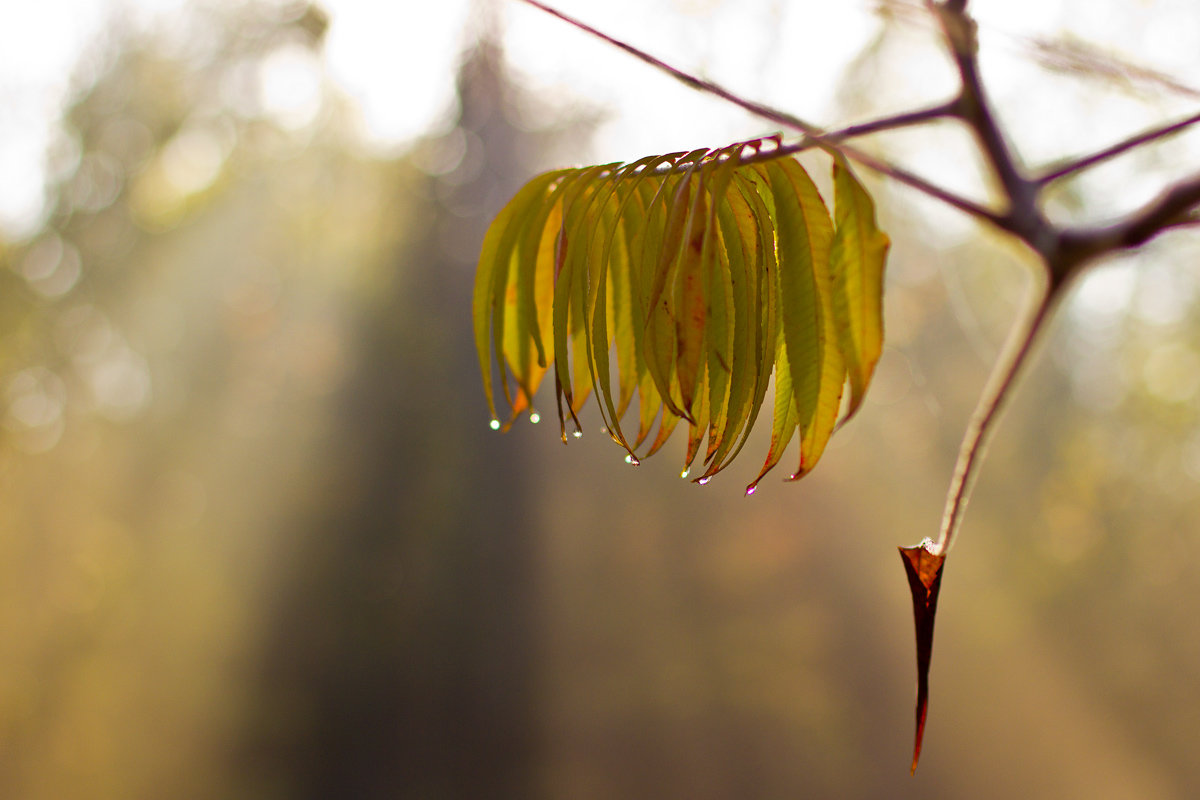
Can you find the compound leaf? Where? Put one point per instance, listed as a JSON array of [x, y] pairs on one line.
[[686, 281]]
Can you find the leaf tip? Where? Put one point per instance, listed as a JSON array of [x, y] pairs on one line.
[[923, 568]]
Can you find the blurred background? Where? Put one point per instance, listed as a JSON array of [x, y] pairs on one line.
[[257, 541]]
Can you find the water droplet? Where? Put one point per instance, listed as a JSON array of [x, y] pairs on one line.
[[494, 424], [751, 489], [628, 459], [535, 417], [704, 481], [577, 434], [684, 474]]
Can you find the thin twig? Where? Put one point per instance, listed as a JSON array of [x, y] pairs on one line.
[[835, 139], [700, 84], [996, 392], [817, 136], [960, 31], [889, 123], [914, 181], [892, 122], [1071, 166]]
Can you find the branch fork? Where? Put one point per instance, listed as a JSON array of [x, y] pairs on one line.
[[1063, 250]]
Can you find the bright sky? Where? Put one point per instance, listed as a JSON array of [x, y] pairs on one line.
[[397, 60]]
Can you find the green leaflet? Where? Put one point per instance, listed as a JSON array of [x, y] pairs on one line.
[[718, 284], [856, 259], [685, 281], [664, 253], [494, 262], [570, 262], [690, 300], [740, 309], [783, 424], [805, 293], [756, 227]]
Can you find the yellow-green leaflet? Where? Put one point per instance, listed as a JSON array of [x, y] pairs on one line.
[[495, 259], [686, 281], [857, 258], [805, 293]]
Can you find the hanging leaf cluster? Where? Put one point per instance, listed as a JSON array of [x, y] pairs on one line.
[[685, 281]]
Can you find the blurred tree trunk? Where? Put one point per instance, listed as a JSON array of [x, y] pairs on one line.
[[402, 661]]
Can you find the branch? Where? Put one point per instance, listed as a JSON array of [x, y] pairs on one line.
[[889, 123], [1170, 209], [987, 413], [1071, 166], [836, 137], [974, 108], [700, 84], [1174, 208], [815, 136], [914, 181]]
